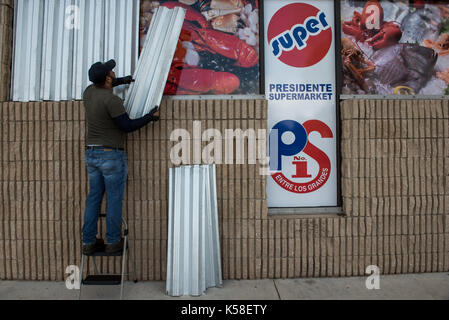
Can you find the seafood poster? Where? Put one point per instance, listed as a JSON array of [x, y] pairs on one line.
[[218, 50], [300, 87], [395, 47]]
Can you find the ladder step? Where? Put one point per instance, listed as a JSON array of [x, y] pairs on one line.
[[104, 254], [103, 280]]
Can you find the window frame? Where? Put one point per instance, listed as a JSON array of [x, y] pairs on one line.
[[260, 95], [343, 97], [305, 212]]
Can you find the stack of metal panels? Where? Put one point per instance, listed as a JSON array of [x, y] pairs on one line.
[[193, 252], [56, 41], [155, 60]]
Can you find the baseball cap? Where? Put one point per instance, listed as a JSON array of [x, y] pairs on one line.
[[98, 71]]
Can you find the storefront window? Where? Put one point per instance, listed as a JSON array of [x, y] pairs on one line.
[[218, 50], [300, 82], [395, 47]]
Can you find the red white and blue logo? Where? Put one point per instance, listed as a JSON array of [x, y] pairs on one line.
[[299, 35], [301, 152]]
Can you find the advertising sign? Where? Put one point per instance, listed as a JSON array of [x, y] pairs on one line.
[[300, 87], [218, 50], [395, 47]]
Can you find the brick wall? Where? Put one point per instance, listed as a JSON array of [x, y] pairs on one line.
[[395, 181], [395, 188]]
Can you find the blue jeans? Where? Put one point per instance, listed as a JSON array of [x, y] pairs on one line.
[[108, 171]]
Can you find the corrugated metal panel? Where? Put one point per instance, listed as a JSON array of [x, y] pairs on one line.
[[28, 23], [193, 257], [51, 60], [155, 61]]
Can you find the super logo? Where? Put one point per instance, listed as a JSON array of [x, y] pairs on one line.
[[298, 35]]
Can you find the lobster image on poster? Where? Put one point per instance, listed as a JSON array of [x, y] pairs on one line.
[[218, 49], [395, 47]]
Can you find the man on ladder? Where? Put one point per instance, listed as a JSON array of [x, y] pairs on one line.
[[106, 161]]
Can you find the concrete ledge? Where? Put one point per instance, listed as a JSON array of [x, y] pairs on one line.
[[430, 286]]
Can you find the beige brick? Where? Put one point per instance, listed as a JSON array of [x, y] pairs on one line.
[[345, 108]]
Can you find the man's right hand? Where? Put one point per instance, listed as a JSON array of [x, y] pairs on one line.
[[156, 112]]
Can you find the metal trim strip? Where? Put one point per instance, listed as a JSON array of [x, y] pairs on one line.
[[215, 97], [392, 97]]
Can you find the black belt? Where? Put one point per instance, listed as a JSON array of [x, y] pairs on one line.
[[103, 147]]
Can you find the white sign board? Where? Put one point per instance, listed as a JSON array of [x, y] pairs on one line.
[[300, 87]]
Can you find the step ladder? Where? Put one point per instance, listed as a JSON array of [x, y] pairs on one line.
[[98, 279]]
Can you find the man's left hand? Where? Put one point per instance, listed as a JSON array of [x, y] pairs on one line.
[[122, 81], [128, 80]]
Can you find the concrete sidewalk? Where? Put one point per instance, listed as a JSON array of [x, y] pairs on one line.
[[415, 286]]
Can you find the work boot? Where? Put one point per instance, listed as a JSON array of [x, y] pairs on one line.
[[89, 249], [115, 247]]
